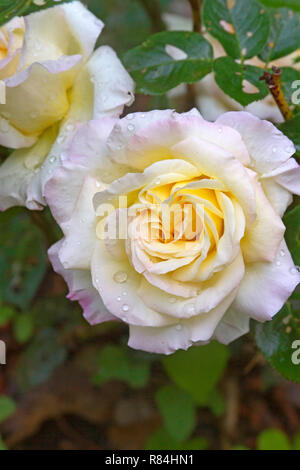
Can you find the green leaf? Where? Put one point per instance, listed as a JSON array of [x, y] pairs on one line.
[[178, 411], [11, 8], [284, 36], [242, 27], [6, 314], [276, 339], [237, 79], [291, 129], [43, 355], [292, 234], [23, 260], [296, 442], [2, 444], [197, 370], [273, 439], [161, 440], [23, 327], [216, 402], [154, 69], [293, 4], [7, 407], [116, 363], [289, 75]]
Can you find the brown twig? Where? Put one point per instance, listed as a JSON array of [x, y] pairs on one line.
[[153, 10], [196, 11], [197, 22], [273, 83]]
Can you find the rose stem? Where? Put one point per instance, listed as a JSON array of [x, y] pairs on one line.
[[273, 83]]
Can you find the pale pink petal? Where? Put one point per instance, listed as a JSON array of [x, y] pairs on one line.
[[81, 289], [266, 286], [267, 146]]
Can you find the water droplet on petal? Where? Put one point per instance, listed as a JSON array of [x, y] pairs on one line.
[[120, 277], [129, 117], [295, 270], [119, 299], [178, 327], [220, 130], [124, 293], [278, 263], [130, 127], [274, 149], [52, 159], [172, 300], [125, 308], [190, 309], [282, 252]]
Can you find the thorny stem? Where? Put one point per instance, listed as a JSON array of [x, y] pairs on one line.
[[273, 83], [153, 10], [196, 10]]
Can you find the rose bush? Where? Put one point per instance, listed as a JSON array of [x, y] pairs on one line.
[[182, 286], [52, 79], [211, 100]]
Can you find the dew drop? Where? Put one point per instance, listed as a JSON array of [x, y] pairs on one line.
[[178, 327], [190, 309], [119, 299], [124, 293], [125, 308], [295, 270], [220, 130], [52, 159], [120, 277], [282, 252], [129, 117], [274, 149], [172, 300], [278, 263], [130, 127]]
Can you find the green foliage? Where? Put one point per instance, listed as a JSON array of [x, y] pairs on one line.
[[161, 440], [273, 439], [23, 258], [2, 444], [289, 75], [275, 339], [233, 77], [6, 314], [23, 327], [292, 234], [40, 359], [291, 129], [216, 403], [241, 27], [198, 369], [284, 36], [117, 363], [7, 407], [178, 411], [11, 8], [154, 69], [292, 4]]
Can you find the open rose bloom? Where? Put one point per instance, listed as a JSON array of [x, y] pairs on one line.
[[52, 80], [173, 225]]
